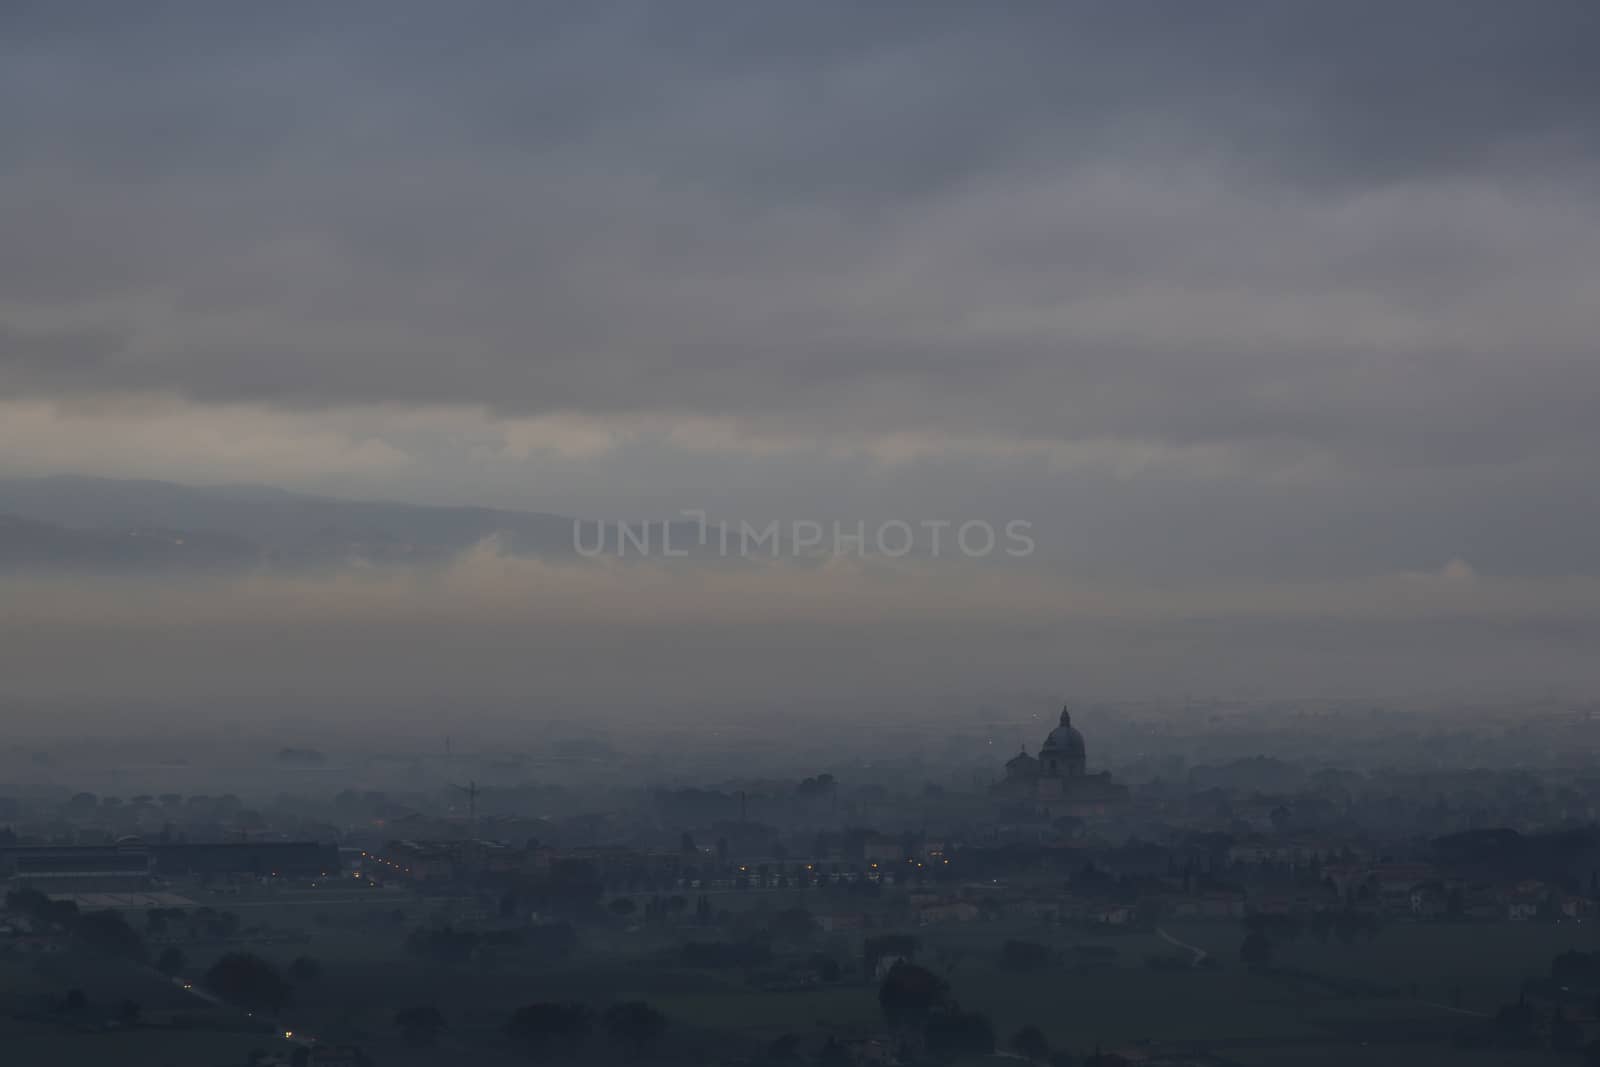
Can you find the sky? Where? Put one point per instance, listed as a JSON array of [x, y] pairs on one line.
[[1250, 310]]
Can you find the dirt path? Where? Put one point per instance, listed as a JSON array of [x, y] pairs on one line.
[[1198, 952]]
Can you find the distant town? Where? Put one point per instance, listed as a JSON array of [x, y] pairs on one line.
[[781, 920]]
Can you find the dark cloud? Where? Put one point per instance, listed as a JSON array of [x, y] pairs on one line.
[[1286, 244]]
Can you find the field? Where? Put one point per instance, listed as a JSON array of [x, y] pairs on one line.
[[1397, 998], [41, 1045], [1335, 1004], [209, 1035], [1486, 961]]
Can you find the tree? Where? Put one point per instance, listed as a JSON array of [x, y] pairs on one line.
[[548, 1027], [793, 924], [36, 905], [909, 994], [106, 933], [876, 948], [553, 941], [248, 981], [420, 1025], [1516, 1022], [1107, 1059], [955, 1034], [571, 888], [1031, 1042], [634, 1024], [220, 924], [443, 946], [1580, 969], [1565, 1035], [1024, 956], [1256, 951], [709, 954], [171, 961], [304, 969], [825, 966]]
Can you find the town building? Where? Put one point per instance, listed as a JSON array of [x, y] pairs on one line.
[[1057, 782], [66, 869]]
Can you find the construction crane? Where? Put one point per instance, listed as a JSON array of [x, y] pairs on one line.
[[471, 790]]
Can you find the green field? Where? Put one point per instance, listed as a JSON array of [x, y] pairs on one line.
[[1378, 1002], [1487, 961], [29, 1044], [1338, 999], [1402, 1055]]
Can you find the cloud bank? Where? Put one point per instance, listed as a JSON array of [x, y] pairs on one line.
[[1240, 307]]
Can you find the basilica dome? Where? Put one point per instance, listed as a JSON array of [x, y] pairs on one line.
[[1063, 751], [1065, 738]]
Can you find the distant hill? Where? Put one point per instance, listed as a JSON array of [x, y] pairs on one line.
[[105, 523], [28, 543]]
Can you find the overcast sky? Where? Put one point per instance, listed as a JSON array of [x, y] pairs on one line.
[[1289, 295]]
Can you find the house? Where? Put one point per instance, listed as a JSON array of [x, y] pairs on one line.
[[261, 859], [1429, 901], [1575, 907], [1286, 903], [1393, 883], [1115, 915], [1483, 904], [847, 920], [870, 1050], [35, 944], [1522, 909], [1042, 909], [883, 851], [1210, 904], [886, 964], [1075, 908], [1524, 900], [954, 911]]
